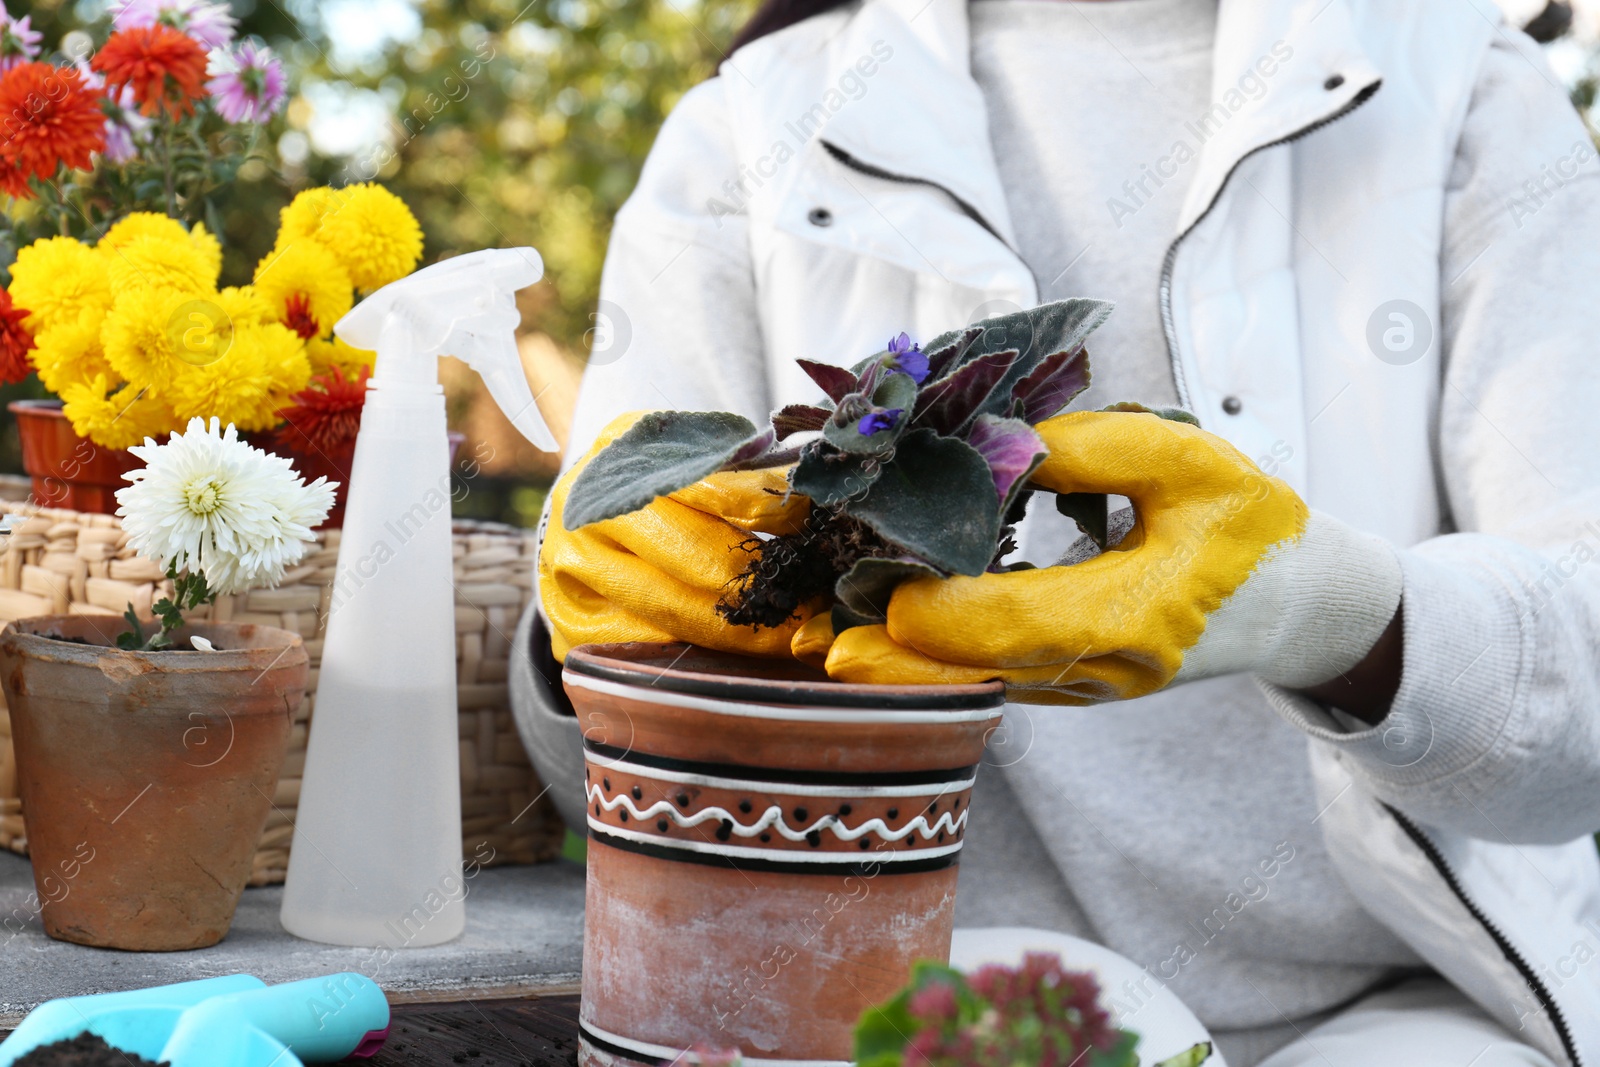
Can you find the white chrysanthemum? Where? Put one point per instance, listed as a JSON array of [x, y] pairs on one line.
[[213, 505]]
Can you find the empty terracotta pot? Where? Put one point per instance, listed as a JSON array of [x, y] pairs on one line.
[[769, 851], [146, 777]]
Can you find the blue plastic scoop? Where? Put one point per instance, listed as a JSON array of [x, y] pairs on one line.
[[233, 1021]]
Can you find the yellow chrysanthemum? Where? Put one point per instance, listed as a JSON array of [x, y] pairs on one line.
[[303, 217], [288, 369], [367, 228], [325, 355], [262, 367], [150, 224], [245, 306], [118, 420], [151, 334], [70, 352], [58, 279], [157, 262], [210, 247], [306, 286]]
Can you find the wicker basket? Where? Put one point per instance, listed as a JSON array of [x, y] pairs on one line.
[[68, 561]]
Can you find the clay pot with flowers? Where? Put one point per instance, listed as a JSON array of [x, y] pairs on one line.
[[116, 301], [807, 829], [148, 750]]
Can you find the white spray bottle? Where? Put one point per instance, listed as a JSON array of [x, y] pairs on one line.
[[377, 857]]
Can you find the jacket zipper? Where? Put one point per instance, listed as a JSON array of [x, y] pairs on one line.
[[1542, 992], [1164, 294], [905, 179]]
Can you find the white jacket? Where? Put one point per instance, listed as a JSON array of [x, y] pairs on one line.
[[863, 204]]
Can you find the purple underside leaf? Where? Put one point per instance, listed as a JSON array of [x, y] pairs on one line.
[[798, 418], [943, 358], [1051, 385], [1009, 446], [836, 382], [947, 404], [755, 446]]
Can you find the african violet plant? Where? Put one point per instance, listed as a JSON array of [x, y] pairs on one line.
[[920, 466]]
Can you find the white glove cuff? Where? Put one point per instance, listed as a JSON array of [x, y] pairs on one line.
[[1311, 610]]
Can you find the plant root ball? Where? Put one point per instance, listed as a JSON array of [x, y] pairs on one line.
[[790, 570]]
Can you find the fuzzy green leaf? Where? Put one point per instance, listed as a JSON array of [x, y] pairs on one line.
[[1059, 326], [1089, 511], [865, 589], [660, 454], [844, 619], [936, 500], [830, 477], [1170, 414]]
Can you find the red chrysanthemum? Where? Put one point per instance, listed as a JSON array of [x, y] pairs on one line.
[[48, 116], [327, 413], [297, 316], [166, 67], [15, 341]]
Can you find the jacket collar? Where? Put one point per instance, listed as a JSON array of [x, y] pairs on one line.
[[926, 120]]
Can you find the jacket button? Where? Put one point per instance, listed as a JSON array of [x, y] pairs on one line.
[[819, 216], [1333, 82], [1232, 405]]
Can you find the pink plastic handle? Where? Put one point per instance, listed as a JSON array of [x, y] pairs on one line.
[[370, 1044]]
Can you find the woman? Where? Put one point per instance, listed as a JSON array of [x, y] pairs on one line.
[[1343, 809]]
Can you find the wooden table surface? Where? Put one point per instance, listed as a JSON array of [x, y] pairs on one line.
[[538, 1032]]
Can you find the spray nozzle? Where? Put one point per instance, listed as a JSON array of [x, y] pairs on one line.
[[464, 307]]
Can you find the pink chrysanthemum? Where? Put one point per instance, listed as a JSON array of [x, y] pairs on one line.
[[19, 42], [248, 84], [210, 24]]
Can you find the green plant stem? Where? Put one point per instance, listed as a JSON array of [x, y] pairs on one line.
[[166, 167]]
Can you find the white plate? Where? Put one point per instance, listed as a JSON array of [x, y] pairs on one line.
[[1137, 1000]]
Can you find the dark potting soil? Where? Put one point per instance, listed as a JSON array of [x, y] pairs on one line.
[[85, 1050]]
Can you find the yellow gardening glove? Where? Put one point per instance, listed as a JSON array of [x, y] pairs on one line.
[[657, 574], [1225, 570]]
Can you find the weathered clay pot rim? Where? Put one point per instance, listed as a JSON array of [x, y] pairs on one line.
[[280, 646], [621, 662], [46, 406]]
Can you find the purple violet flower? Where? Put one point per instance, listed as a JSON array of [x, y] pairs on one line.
[[874, 421], [909, 359], [19, 42], [209, 23], [248, 83]]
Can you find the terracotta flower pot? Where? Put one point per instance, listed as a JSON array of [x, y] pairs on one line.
[[312, 462], [768, 850], [73, 472], [146, 777], [68, 471]]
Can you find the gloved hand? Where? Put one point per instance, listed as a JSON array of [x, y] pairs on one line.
[[1225, 570], [656, 574]]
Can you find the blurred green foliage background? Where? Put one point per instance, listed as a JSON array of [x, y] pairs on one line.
[[500, 122]]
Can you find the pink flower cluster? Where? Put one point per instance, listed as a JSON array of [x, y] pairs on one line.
[[1039, 1013]]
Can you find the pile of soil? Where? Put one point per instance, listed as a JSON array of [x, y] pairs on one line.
[[85, 1050]]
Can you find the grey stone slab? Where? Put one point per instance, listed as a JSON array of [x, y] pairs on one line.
[[524, 934]]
